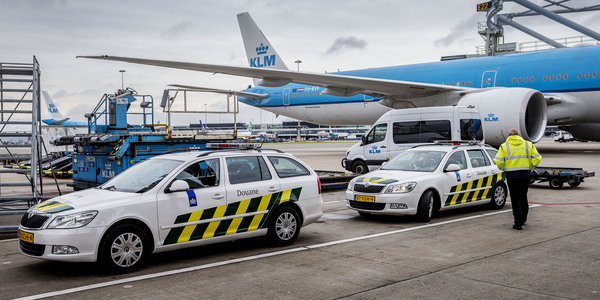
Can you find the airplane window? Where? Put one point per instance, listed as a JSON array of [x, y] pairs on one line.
[[468, 82], [457, 83], [532, 79], [558, 77], [579, 76], [594, 75], [526, 79], [587, 75], [514, 80], [551, 77], [565, 76], [545, 77], [519, 80], [463, 83]]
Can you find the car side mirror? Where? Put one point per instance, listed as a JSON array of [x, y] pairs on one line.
[[452, 168], [178, 186], [383, 164]]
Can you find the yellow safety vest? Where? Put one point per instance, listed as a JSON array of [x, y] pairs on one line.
[[517, 154]]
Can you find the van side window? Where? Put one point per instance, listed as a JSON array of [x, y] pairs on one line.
[[478, 159], [377, 134], [421, 131], [470, 129]]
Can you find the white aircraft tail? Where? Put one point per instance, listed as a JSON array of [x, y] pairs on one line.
[[260, 52], [52, 108]]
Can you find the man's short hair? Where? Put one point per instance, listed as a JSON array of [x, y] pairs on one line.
[[513, 131]]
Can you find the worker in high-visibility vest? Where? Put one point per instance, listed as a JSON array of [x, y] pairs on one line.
[[517, 157]]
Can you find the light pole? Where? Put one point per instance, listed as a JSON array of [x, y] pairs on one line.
[[298, 62], [122, 82], [205, 114]]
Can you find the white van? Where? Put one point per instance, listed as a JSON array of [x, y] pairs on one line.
[[398, 130]]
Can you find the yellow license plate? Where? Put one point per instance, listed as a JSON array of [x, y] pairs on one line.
[[26, 236], [364, 198]]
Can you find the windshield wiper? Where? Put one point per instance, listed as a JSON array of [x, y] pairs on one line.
[[111, 188]]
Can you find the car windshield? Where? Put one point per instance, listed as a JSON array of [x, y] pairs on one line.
[[421, 161], [141, 177]]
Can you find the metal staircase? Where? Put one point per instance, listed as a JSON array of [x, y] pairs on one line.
[[20, 128]]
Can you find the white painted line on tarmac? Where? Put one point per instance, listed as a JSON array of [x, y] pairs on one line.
[[250, 258]]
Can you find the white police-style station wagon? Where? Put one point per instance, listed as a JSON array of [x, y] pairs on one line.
[[173, 201], [430, 178]]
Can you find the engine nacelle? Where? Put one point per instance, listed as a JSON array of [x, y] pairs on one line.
[[502, 109], [586, 131]]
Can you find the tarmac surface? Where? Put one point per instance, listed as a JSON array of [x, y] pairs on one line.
[[461, 254]]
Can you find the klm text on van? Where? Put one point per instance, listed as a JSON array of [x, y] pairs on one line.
[[491, 118], [374, 150]]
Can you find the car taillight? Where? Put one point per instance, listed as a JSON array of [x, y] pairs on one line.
[[319, 184]]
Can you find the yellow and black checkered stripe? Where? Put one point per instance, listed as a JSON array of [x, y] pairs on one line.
[[233, 225], [376, 180], [473, 190], [52, 207]]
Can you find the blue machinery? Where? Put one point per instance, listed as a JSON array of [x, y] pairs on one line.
[[113, 143]]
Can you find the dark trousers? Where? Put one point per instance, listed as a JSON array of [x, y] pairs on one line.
[[518, 197]]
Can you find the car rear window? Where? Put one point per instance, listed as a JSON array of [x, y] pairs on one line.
[[287, 167]]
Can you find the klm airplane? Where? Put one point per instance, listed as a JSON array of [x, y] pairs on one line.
[[57, 118], [524, 91]]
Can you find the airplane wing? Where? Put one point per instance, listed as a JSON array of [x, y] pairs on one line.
[[220, 91], [337, 85]]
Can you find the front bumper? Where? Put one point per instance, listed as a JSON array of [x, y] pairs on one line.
[[85, 239], [406, 203]]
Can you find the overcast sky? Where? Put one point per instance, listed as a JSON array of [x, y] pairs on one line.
[[325, 35]]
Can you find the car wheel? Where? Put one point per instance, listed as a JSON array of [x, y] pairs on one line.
[[284, 227], [425, 207], [124, 249], [359, 167], [499, 194], [555, 184]]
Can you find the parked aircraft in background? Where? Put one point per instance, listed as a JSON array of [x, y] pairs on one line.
[[525, 91], [57, 118]]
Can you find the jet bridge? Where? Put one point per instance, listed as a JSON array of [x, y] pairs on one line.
[[493, 31]]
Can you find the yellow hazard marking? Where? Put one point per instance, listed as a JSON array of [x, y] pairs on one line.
[[235, 223], [264, 204], [455, 196], [285, 196], [469, 186], [488, 184], [188, 230], [212, 226], [45, 208]]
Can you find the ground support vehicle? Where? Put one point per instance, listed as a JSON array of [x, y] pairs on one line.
[[557, 176], [428, 178], [113, 144], [398, 130], [174, 201]]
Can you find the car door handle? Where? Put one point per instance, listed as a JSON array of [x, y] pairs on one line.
[[272, 189], [383, 147], [218, 196]]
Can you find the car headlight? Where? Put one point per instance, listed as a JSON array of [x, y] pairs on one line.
[[351, 186], [73, 220], [401, 188]]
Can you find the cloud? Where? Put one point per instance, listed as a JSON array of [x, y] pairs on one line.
[[457, 33], [345, 43], [177, 30]]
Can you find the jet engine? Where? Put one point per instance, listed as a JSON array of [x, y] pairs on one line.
[[502, 109], [585, 131]]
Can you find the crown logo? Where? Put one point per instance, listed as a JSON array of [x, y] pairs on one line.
[[491, 115], [374, 147], [261, 49]]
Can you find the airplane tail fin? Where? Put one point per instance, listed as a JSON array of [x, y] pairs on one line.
[[260, 52], [52, 108]]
